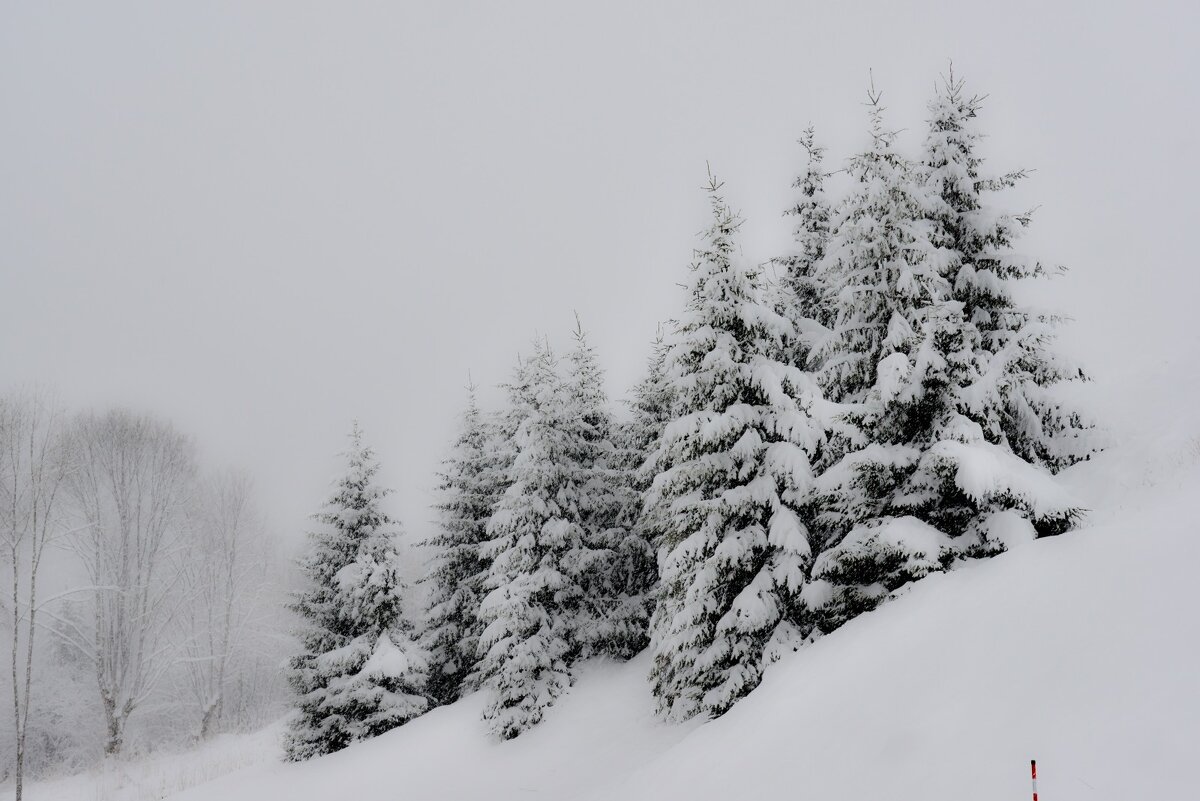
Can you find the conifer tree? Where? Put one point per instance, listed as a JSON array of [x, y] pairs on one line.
[[539, 553], [929, 487], [1013, 399], [617, 588], [359, 673], [470, 486], [736, 467], [805, 295], [887, 276], [880, 264], [651, 407]]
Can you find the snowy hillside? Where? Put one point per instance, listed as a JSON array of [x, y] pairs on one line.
[[745, 401], [1071, 650], [1076, 651], [163, 774]]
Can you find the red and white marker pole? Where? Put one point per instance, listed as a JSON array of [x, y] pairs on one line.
[[1033, 769]]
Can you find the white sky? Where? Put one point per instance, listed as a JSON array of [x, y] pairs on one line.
[[263, 219]]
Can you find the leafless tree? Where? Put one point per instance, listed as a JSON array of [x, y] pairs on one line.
[[33, 466], [227, 579], [131, 488]]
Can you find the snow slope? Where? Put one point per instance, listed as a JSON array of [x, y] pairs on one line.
[[1080, 651], [160, 775], [603, 729]]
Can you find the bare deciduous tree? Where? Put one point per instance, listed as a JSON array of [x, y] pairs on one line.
[[225, 577], [33, 465], [131, 487]]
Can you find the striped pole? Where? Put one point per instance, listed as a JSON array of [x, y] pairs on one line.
[[1033, 769]]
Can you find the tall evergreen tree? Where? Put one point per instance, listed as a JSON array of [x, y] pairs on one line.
[[736, 467], [1014, 398], [617, 589], [470, 486], [540, 555], [881, 266], [359, 673], [887, 276], [929, 487]]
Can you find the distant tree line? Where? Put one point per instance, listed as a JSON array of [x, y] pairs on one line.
[[142, 591]]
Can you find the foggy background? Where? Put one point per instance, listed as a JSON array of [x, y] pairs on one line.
[[261, 220]]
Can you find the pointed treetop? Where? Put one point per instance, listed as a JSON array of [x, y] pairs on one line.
[[952, 89], [472, 408], [726, 221], [358, 452], [584, 355], [876, 109], [882, 138], [816, 153]]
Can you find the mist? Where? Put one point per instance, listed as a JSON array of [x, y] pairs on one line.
[[265, 220]]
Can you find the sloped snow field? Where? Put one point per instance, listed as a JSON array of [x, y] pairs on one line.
[[162, 775], [1080, 651]]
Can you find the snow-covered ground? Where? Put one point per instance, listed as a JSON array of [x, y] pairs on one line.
[[1079, 651], [161, 775]]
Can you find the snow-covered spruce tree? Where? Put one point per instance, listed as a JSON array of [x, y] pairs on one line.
[[652, 407], [616, 589], [736, 466], [359, 673], [470, 485], [929, 487], [881, 266], [886, 275], [804, 295], [1014, 398], [539, 553]]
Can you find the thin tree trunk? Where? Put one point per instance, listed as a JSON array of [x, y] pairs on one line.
[[35, 561], [16, 690], [20, 772], [211, 714], [114, 721]]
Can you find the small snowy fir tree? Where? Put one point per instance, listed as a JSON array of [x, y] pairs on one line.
[[539, 553], [359, 672], [470, 485], [736, 467], [804, 295], [617, 588]]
